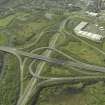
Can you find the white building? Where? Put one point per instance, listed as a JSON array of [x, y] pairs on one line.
[[81, 26], [92, 13], [78, 30]]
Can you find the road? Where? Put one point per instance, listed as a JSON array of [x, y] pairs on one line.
[[24, 99], [19, 53]]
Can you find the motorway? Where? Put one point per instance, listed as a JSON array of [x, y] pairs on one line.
[[87, 69], [19, 53]]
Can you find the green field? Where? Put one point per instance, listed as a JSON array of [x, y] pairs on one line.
[[33, 33]]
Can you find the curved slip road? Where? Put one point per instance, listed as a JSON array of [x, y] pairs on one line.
[[72, 80], [48, 78]]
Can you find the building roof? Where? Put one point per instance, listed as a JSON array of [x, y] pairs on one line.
[[78, 30]]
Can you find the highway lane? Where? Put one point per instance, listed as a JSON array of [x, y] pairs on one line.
[[71, 80], [26, 54], [18, 53], [61, 81], [85, 66]]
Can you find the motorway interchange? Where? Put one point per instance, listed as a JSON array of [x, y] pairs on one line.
[[37, 82]]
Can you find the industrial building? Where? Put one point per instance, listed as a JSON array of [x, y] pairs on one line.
[[79, 31]]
